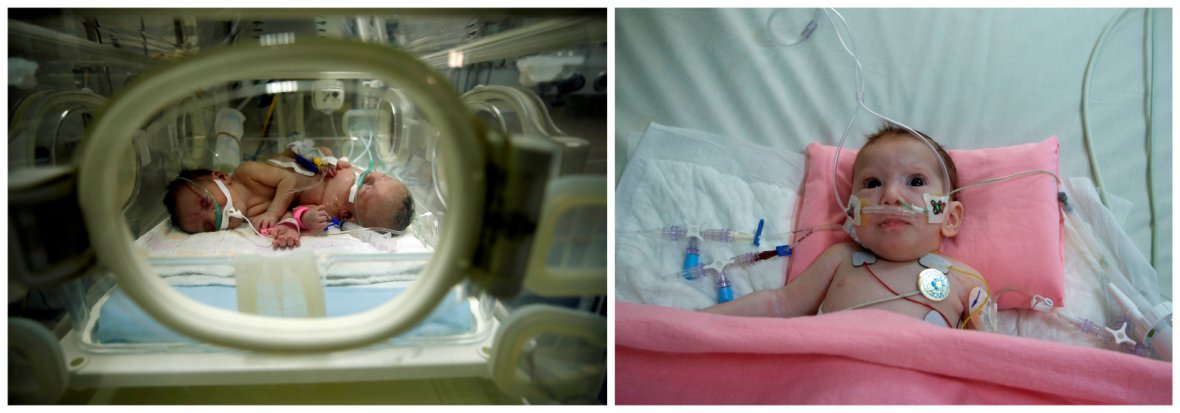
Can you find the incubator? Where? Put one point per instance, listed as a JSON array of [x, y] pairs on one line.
[[108, 107]]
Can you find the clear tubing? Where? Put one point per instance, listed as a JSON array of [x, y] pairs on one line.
[[988, 181], [745, 259], [672, 233], [694, 272], [723, 235], [753, 257], [907, 211], [803, 35], [860, 94], [675, 233], [1091, 328]]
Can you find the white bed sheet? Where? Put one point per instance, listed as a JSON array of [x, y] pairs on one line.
[[166, 241], [971, 78], [682, 177]]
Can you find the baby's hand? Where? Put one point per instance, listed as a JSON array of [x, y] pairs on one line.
[[284, 236], [265, 221], [315, 218], [329, 169]]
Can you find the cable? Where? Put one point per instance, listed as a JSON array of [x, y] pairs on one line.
[[988, 181], [803, 36], [1086, 105], [907, 296], [1150, 64]]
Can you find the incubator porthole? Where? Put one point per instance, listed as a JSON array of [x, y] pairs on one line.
[[381, 137]]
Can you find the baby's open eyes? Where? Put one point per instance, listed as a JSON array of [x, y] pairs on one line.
[[912, 181]]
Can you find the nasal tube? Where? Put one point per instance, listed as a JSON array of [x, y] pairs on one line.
[[891, 210]]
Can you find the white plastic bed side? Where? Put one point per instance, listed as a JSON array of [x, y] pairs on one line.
[[561, 264], [114, 244], [534, 120]]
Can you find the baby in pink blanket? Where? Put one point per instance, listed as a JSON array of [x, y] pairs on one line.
[[899, 218]]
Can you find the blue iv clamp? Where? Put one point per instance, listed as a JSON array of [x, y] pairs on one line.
[[724, 288], [692, 253]]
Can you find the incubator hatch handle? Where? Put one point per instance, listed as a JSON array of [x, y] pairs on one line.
[[569, 252], [513, 363], [135, 105]]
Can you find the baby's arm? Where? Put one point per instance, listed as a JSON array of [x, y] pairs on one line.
[[313, 217], [799, 297], [285, 234], [283, 182], [970, 283]]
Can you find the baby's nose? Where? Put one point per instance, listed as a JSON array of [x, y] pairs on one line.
[[892, 194]]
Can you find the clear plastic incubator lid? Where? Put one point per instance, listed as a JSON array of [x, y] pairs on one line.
[[403, 114]]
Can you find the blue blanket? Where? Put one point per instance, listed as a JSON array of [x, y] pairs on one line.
[[122, 321]]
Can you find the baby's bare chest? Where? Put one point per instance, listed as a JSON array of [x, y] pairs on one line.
[[892, 287]]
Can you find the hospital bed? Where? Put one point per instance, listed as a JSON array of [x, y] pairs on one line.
[[715, 130], [505, 250]]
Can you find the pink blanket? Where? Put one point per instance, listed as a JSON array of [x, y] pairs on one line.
[[672, 356]]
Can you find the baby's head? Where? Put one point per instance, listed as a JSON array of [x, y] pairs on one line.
[[193, 199], [382, 201], [895, 168]]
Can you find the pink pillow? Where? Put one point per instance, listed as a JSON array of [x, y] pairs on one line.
[[1012, 230]]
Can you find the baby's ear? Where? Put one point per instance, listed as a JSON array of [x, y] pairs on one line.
[[222, 176], [954, 218]]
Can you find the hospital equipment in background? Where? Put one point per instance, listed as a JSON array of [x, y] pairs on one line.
[[111, 104]]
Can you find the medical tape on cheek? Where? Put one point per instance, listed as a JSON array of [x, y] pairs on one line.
[[853, 211], [935, 207], [229, 210], [852, 218], [360, 180]]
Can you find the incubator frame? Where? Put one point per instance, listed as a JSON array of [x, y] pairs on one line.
[[114, 130]]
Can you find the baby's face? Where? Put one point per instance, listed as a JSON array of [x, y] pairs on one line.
[[893, 170], [194, 207], [377, 199]]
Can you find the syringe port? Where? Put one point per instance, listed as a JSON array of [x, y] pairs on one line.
[[724, 288], [675, 233], [723, 235]]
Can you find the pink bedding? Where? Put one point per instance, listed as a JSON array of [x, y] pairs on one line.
[[672, 356]]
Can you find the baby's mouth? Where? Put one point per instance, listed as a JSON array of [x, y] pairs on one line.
[[893, 223]]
